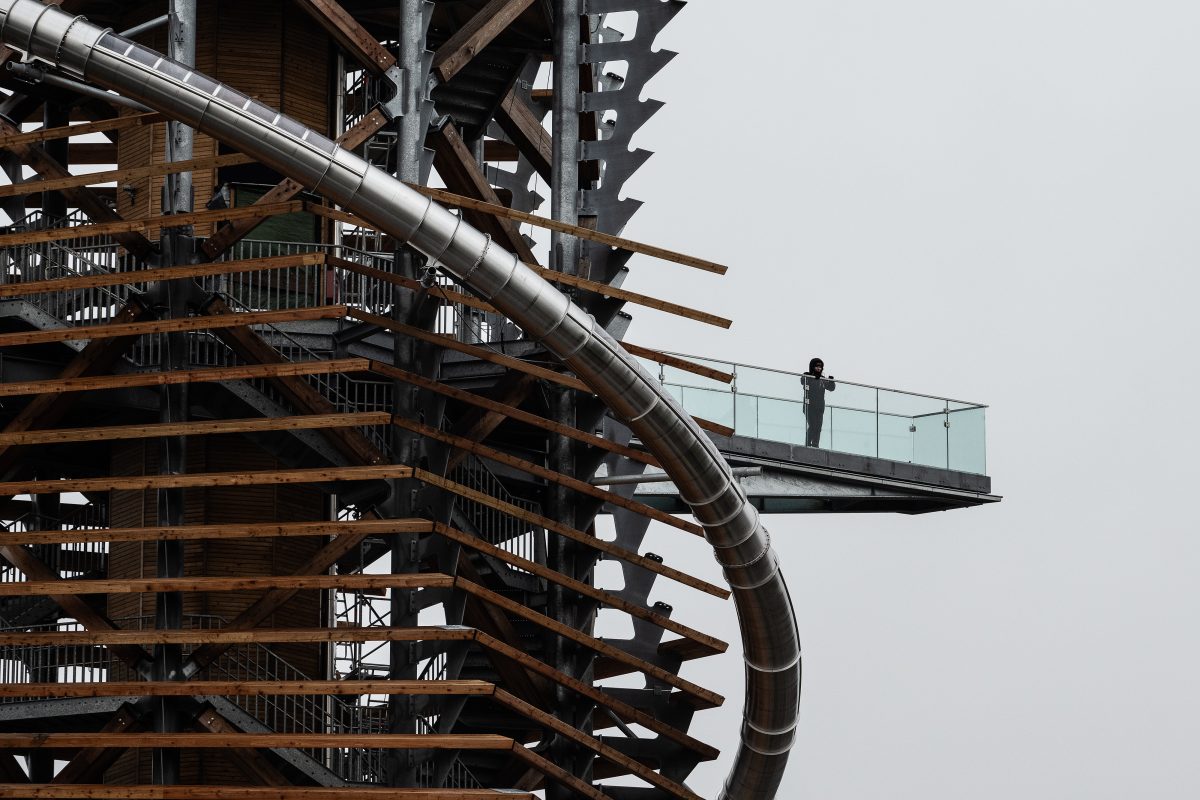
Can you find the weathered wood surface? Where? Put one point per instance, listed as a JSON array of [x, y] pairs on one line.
[[183, 792], [478, 32], [227, 637], [255, 478], [65, 131], [349, 582], [350, 688], [222, 531]]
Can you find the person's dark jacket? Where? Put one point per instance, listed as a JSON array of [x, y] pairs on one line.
[[814, 390]]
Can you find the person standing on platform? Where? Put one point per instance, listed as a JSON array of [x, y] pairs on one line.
[[815, 385]]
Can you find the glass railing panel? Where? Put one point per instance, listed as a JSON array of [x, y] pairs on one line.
[[896, 437], [781, 420], [929, 440], [850, 431], [685, 378], [769, 383], [714, 406], [746, 416], [903, 404], [967, 435]]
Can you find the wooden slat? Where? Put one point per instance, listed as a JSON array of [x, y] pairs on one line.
[[556, 773], [209, 741], [257, 530], [197, 323], [353, 38], [571, 533], [453, 200], [91, 762], [247, 688], [124, 174], [198, 792], [620, 708], [93, 153], [590, 642], [285, 190], [146, 225], [161, 274], [611, 754], [678, 363], [196, 428], [136, 379], [478, 32], [527, 133], [258, 478], [102, 126], [512, 412], [710, 643], [539, 471], [237, 583], [227, 637], [482, 353], [644, 300]]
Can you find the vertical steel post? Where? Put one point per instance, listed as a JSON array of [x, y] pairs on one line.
[[564, 188], [56, 115], [178, 247]]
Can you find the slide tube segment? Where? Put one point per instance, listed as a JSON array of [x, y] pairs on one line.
[[741, 544]]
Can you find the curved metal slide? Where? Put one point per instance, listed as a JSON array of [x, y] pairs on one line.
[[740, 543]]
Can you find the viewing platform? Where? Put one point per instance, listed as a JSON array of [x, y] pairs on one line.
[[880, 450]]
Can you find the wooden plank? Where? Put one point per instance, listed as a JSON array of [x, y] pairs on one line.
[[146, 225], [137, 379], [124, 174], [590, 642], [287, 189], [482, 353], [93, 153], [710, 643], [303, 397], [102, 791], [252, 763], [226, 637], [678, 363], [453, 200], [101, 126], [352, 37], [197, 323], [461, 172], [539, 471], [571, 533], [211, 741], [257, 478], [416, 688], [196, 428], [239, 583], [558, 774], [478, 32], [603, 289], [256, 530], [91, 762], [611, 754], [527, 133], [161, 274]]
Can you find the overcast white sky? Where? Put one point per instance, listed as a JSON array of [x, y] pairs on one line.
[[997, 201]]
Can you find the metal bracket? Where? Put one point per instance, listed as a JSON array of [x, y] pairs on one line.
[[398, 77]]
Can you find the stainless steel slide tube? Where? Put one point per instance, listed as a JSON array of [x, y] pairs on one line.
[[741, 544]]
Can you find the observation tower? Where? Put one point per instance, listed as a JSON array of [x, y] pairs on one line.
[[319, 413]]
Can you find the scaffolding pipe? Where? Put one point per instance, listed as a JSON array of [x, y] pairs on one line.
[[732, 526]]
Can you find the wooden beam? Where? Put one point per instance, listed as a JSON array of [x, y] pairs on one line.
[[93, 153], [225, 637], [460, 171], [678, 363], [528, 467], [557, 774], [139, 379], [124, 174], [526, 131], [147, 225], [256, 478], [609, 599], [106, 791], [131, 238], [287, 189], [512, 412], [253, 764], [211, 741], [453, 200], [705, 696], [550, 722], [482, 353], [10, 140], [239, 583], [351, 36], [565, 531], [161, 274], [256, 530], [303, 397], [478, 32], [197, 323], [91, 762], [348, 688]]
